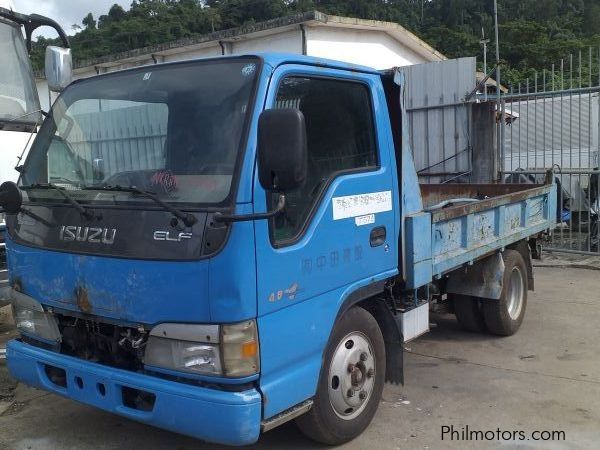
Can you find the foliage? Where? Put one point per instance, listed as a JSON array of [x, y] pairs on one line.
[[533, 33]]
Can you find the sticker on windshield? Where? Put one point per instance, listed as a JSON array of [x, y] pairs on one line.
[[248, 70]]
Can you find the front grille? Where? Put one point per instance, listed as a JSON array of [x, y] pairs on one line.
[[103, 343]]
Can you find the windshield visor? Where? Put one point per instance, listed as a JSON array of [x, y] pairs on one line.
[[174, 130], [19, 102]]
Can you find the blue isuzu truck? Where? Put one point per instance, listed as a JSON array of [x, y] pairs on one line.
[[218, 246]]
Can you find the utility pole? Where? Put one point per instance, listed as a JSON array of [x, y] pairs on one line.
[[500, 129], [483, 41]]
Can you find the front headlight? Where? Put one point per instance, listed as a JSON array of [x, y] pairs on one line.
[[30, 318], [185, 356], [226, 350]]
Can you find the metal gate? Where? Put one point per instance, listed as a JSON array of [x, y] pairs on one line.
[[552, 121]]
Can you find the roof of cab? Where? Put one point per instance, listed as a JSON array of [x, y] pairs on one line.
[[271, 58], [277, 59]]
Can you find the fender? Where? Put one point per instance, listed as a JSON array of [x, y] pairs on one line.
[[483, 279], [370, 298], [529, 251]]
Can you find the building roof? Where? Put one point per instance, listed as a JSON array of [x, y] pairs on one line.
[[490, 83], [310, 18]]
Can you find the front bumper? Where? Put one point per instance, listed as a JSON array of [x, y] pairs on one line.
[[231, 418]]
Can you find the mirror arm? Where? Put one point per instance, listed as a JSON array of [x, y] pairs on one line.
[[37, 21], [32, 22], [225, 218]]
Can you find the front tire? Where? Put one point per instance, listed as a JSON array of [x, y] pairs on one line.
[[351, 381], [504, 316]]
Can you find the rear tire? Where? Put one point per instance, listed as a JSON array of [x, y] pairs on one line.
[[504, 316], [469, 313], [354, 364]]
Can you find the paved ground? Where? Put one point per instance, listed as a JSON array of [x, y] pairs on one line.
[[547, 377]]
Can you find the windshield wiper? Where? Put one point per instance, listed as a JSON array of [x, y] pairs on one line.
[[84, 212], [187, 218]]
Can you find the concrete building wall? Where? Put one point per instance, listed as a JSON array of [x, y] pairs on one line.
[[368, 48], [206, 52], [285, 42]]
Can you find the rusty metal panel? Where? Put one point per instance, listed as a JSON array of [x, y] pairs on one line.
[[496, 195], [433, 194]]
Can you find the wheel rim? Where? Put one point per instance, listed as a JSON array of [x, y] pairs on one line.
[[351, 375], [516, 291]]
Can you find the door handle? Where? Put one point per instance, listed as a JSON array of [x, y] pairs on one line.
[[377, 236]]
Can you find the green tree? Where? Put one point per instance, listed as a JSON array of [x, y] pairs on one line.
[[88, 22]]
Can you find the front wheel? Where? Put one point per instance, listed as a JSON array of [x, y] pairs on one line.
[[504, 316], [351, 381]]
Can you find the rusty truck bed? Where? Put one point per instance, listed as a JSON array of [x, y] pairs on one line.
[[469, 221]]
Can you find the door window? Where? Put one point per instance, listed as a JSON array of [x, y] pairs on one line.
[[340, 137]]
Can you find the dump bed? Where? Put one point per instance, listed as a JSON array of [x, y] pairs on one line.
[[469, 221]]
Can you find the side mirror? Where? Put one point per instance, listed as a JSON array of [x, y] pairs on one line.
[[282, 149], [58, 68], [11, 198]]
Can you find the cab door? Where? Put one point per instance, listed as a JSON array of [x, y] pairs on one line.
[[338, 229], [337, 233]]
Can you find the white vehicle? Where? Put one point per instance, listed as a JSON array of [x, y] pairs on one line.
[[20, 112]]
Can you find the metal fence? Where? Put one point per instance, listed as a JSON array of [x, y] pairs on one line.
[[552, 121]]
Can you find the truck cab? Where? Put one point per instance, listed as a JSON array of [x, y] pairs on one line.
[[20, 112], [219, 246]]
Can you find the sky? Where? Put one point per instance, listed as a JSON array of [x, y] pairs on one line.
[[66, 12]]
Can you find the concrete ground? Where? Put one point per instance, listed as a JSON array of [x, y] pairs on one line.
[[546, 377]]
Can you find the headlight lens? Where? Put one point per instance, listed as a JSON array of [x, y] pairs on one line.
[[30, 318], [185, 356], [227, 350]]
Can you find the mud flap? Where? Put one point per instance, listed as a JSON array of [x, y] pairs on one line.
[[394, 342]]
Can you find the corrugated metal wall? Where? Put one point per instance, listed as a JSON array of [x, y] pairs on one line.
[[439, 118], [125, 139]]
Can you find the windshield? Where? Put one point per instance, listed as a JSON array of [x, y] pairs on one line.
[[173, 130], [18, 95]]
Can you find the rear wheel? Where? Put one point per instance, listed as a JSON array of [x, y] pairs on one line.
[[468, 313], [351, 381], [504, 316]]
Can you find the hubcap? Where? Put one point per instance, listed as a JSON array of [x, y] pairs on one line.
[[516, 290], [351, 375]]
